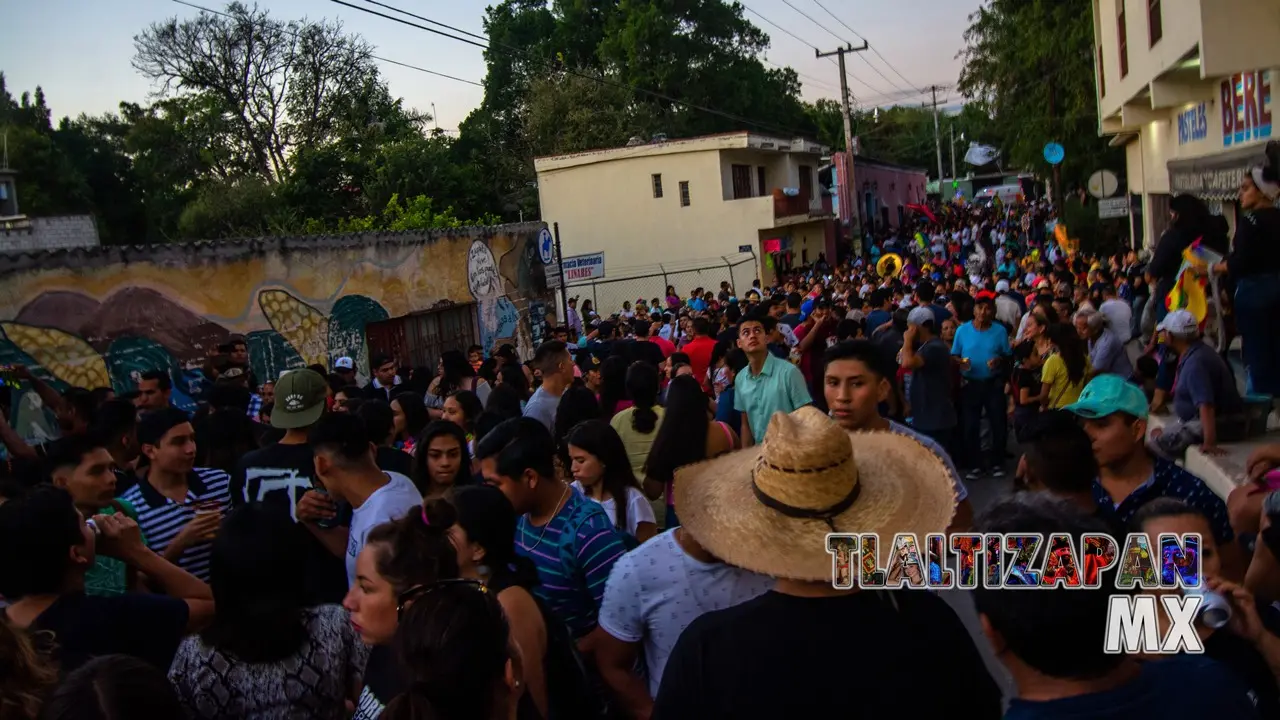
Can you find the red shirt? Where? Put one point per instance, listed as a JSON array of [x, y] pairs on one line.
[[699, 352], [663, 344]]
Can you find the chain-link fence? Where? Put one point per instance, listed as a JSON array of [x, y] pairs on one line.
[[607, 295]]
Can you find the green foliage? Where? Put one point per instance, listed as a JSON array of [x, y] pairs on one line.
[[418, 213], [1029, 64]]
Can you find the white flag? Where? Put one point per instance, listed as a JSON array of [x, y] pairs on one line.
[[981, 154]]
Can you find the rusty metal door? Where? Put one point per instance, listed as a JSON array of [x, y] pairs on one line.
[[417, 340]]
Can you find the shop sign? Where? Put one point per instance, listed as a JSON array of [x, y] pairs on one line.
[[1193, 124], [1246, 108], [583, 267]]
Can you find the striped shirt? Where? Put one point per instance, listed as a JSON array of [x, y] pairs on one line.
[[161, 519], [574, 553]]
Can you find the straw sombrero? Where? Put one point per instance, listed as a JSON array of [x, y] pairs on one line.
[[769, 508]]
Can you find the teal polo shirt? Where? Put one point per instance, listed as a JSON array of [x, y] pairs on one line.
[[779, 387]]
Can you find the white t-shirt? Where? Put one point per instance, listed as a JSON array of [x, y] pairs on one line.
[[1119, 318], [389, 502], [638, 508], [656, 591]]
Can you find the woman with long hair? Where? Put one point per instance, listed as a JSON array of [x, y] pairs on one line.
[[578, 404], [25, 675], [459, 658], [455, 374], [409, 416], [462, 408], [613, 386], [1066, 366], [1189, 220], [688, 435], [602, 471], [1254, 269], [484, 532], [505, 401], [638, 425], [400, 559], [442, 460], [245, 664], [512, 375]]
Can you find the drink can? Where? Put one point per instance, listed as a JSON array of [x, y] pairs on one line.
[[331, 522]]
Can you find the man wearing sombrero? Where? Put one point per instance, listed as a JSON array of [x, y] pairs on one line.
[[805, 649]]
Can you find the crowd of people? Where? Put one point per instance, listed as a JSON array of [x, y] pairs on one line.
[[632, 522]]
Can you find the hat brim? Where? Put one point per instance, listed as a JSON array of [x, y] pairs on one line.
[[291, 421], [905, 488], [1090, 410]]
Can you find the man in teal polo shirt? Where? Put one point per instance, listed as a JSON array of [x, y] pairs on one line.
[[768, 385]]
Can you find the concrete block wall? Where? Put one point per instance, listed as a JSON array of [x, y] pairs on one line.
[[61, 232]]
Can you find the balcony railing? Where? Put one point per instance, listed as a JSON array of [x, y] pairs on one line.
[[791, 206]]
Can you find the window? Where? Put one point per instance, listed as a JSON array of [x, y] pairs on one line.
[[741, 181], [684, 193], [760, 176], [1155, 25], [1102, 75], [1122, 35], [806, 182], [657, 185]]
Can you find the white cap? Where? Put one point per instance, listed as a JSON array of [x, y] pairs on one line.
[[920, 316], [1002, 286], [1179, 322], [906, 303], [1030, 279], [344, 363]]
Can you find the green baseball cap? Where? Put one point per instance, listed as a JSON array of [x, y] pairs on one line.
[[1109, 394], [300, 399]]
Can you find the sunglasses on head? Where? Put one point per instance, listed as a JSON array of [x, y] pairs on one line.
[[404, 599]]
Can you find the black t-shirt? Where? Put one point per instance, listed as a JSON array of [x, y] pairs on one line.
[[862, 655], [1242, 658], [390, 459], [81, 627], [383, 680], [277, 476]]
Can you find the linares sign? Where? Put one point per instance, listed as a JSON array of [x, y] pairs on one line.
[[583, 267]]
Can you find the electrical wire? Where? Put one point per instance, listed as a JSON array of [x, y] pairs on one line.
[[374, 57], [869, 45]]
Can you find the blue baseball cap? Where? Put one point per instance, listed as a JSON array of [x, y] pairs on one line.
[[1109, 394]]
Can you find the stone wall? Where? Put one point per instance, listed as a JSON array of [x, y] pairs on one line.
[[102, 316], [62, 232]]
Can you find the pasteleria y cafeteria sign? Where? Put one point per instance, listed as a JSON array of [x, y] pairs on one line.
[[583, 267]]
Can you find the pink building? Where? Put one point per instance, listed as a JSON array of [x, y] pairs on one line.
[[882, 191]]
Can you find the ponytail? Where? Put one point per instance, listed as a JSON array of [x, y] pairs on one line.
[[416, 549], [642, 385]]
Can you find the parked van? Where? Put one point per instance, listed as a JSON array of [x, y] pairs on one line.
[[1008, 194]]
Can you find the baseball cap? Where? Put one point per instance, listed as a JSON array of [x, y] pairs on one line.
[[1002, 286], [587, 361], [1109, 394], [300, 399], [920, 316], [344, 363], [906, 302], [1179, 322]]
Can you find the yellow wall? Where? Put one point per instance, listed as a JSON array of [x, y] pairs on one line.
[[101, 317]]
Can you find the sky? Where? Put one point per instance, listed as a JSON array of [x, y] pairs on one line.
[[79, 51]]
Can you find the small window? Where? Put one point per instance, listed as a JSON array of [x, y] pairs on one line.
[[657, 185], [684, 193], [760, 176], [1155, 24], [1122, 35], [741, 181], [1102, 75]]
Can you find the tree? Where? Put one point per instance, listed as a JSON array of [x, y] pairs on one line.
[[570, 113], [1028, 64], [284, 86]]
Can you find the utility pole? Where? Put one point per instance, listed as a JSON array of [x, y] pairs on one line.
[[847, 177], [953, 152], [937, 135]]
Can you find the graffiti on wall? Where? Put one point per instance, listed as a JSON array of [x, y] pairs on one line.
[[88, 322]]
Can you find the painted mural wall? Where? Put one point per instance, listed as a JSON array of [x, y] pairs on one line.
[[101, 317]]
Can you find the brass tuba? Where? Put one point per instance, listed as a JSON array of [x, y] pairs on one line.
[[890, 266]]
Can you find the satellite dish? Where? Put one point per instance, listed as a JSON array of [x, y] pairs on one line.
[[1103, 184], [1053, 153]]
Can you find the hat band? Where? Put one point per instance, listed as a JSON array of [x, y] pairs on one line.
[[824, 514]]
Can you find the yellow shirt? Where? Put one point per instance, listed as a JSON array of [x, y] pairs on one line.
[[1062, 392], [636, 442]]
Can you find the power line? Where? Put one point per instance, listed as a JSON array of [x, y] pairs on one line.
[[873, 49], [374, 57], [600, 80], [808, 44]]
